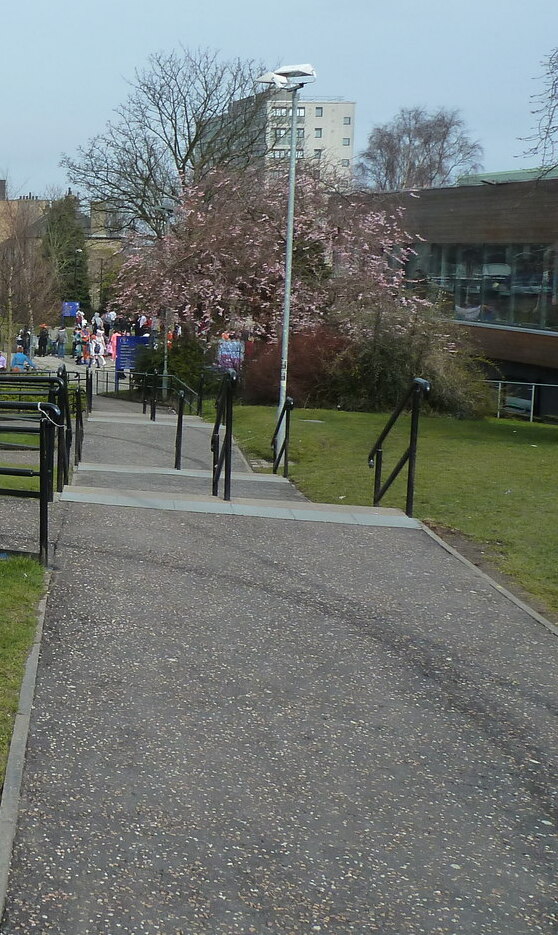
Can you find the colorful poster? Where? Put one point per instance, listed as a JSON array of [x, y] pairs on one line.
[[230, 354]]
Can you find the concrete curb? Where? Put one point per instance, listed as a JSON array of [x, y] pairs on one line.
[[9, 805], [497, 587]]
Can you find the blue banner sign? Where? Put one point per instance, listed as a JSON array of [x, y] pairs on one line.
[[126, 350], [230, 354], [69, 309]]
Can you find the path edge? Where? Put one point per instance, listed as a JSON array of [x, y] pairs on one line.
[[492, 582], [11, 792]]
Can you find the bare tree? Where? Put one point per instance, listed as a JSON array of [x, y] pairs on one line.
[[27, 279], [545, 136], [418, 150], [187, 111]]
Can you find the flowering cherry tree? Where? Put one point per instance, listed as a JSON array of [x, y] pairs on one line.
[[221, 263]]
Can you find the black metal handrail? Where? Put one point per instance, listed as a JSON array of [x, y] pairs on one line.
[[79, 426], [283, 422], [89, 389], [49, 416], [419, 388], [222, 456], [210, 377], [56, 389], [150, 384], [178, 439]]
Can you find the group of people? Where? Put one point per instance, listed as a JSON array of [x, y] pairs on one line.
[[91, 341]]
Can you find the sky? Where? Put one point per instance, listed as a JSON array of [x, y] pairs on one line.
[[65, 65]]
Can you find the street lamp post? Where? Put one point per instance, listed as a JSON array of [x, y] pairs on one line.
[[288, 78], [76, 251]]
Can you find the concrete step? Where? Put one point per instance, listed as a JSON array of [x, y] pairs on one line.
[[90, 467], [241, 506]]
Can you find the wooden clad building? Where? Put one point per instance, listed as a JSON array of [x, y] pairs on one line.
[[490, 254]]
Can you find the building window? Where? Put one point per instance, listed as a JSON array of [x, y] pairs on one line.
[[300, 154], [346, 121], [300, 133], [345, 162], [318, 133], [279, 153], [300, 111], [504, 284], [279, 133], [278, 111], [319, 112], [346, 141], [318, 153]]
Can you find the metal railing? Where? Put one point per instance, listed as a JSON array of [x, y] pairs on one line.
[[209, 385], [526, 400], [178, 440], [54, 388], [222, 454], [419, 388], [282, 429], [48, 416], [150, 385]]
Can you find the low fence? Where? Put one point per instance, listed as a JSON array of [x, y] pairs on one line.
[[49, 406], [530, 401], [33, 418]]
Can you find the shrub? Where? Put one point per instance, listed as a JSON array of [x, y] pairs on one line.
[[186, 359], [311, 362], [372, 371]]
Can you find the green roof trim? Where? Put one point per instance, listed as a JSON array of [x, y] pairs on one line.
[[516, 175]]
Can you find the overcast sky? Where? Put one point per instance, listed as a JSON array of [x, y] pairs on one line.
[[64, 64]]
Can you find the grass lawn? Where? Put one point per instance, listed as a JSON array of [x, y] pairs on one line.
[[493, 480], [21, 586], [18, 483]]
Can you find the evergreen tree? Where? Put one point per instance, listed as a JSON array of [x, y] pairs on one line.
[[64, 246]]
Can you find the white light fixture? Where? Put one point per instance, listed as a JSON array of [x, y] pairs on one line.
[[288, 78]]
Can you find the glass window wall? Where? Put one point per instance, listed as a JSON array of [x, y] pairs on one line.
[[506, 284]]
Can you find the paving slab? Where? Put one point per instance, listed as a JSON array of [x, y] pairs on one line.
[[246, 725]]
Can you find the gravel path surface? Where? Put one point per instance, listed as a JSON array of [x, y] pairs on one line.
[[249, 726]]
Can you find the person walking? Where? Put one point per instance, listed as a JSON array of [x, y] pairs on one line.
[[77, 346], [43, 341], [61, 342], [98, 348], [86, 345]]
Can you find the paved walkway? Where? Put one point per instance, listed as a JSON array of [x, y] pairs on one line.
[[311, 720]]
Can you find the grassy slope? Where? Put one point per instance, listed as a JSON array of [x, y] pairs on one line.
[[493, 480], [21, 585]]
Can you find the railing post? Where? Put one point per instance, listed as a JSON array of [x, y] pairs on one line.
[[378, 475], [200, 394], [45, 428], [89, 390], [79, 427], [419, 388], [215, 445], [61, 469], [413, 450], [228, 435], [153, 409], [178, 442], [289, 405], [532, 409], [144, 393]]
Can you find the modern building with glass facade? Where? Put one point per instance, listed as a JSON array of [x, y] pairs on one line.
[[486, 250]]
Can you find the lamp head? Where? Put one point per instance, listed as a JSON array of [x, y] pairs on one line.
[[289, 76]]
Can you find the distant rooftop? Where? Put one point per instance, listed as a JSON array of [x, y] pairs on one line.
[[516, 175]]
